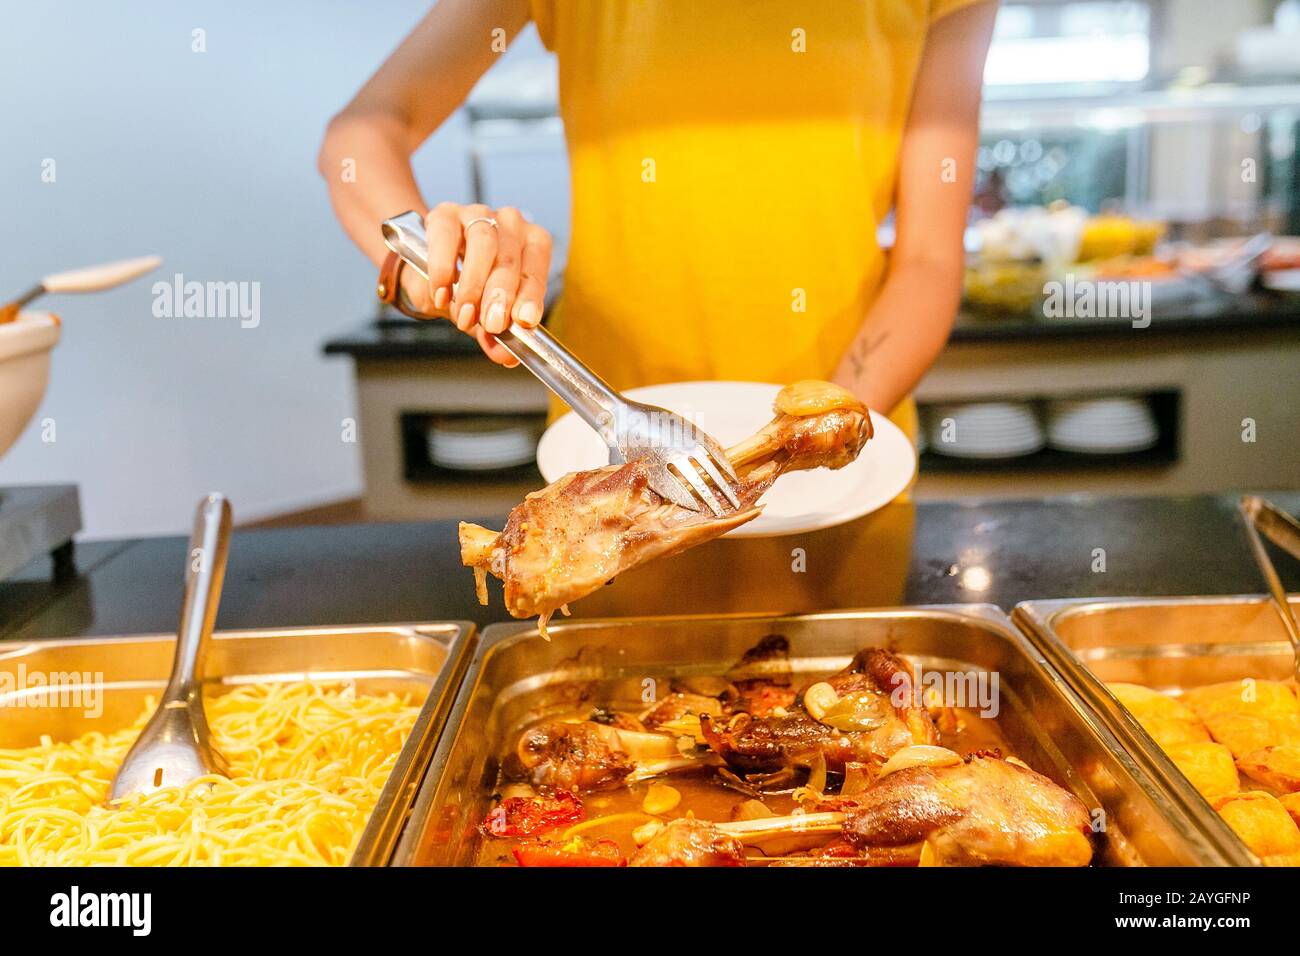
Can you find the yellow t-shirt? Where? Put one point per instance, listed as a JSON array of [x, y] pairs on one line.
[[730, 162]]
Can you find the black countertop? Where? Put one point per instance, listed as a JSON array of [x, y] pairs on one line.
[[1000, 552], [394, 338]]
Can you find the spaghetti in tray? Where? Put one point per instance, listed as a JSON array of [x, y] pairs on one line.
[[307, 765]]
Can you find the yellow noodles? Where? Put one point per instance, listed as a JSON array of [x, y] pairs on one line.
[[307, 765]]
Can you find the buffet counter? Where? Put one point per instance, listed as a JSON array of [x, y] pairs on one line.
[[476, 742], [984, 551]]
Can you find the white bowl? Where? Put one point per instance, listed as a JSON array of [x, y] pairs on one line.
[[985, 430], [1102, 425], [25, 347]]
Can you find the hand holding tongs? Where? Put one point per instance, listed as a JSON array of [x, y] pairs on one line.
[[681, 459], [1283, 530]]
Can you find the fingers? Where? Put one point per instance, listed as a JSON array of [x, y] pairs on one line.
[[494, 349], [480, 244], [483, 277], [503, 281], [444, 234], [535, 266], [416, 292]]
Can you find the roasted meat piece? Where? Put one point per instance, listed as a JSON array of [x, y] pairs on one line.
[[690, 842], [680, 704], [581, 531], [872, 717], [573, 756], [984, 811], [585, 755]]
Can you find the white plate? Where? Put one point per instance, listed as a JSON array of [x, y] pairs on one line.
[[1283, 280], [1009, 450], [1105, 448], [732, 411]]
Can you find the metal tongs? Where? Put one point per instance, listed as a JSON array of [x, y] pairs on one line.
[[1263, 517], [681, 459], [174, 747]]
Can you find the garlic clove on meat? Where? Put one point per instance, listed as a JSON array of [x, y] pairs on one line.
[[811, 397], [919, 755], [818, 699]]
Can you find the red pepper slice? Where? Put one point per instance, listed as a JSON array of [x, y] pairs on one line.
[[526, 816], [577, 851]]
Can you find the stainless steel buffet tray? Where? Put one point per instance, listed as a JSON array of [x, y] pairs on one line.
[[1166, 644], [515, 677], [426, 660]]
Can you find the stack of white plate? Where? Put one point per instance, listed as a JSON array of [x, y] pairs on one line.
[[481, 443], [984, 430], [1101, 426]]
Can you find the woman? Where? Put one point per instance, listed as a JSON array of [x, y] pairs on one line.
[[731, 161]]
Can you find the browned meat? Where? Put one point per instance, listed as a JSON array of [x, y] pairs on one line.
[[678, 705], [982, 811], [761, 698], [985, 811], [572, 756], [585, 755], [868, 730], [761, 695], [581, 531], [690, 842]]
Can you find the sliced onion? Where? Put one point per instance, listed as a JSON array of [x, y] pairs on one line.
[[919, 755]]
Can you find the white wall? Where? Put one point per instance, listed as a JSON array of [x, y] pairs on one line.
[[209, 160]]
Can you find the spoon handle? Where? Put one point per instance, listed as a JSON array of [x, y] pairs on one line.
[[98, 278], [205, 569]]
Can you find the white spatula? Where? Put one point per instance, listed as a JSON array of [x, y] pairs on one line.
[[90, 279]]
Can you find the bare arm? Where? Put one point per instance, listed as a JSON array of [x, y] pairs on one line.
[[909, 322], [366, 161]]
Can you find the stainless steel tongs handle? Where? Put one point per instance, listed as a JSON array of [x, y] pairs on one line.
[[1280, 528], [537, 350]]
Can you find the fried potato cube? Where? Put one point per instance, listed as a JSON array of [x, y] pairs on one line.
[[1208, 766], [1292, 803], [1246, 733], [1169, 721], [1258, 698], [1264, 825], [1275, 767]]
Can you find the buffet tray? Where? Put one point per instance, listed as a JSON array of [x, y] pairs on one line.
[[426, 660], [1166, 644], [515, 677]]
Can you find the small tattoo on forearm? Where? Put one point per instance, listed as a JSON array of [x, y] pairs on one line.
[[862, 350]]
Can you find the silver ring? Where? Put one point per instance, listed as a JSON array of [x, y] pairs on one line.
[[487, 219]]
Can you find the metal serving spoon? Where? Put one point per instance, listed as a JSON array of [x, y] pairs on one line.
[[173, 749], [1280, 528]]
